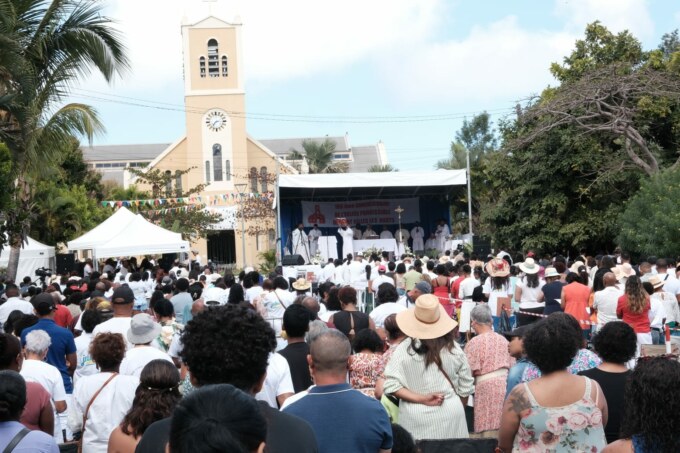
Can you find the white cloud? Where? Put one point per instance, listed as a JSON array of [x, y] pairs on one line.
[[616, 15], [282, 39], [500, 61]]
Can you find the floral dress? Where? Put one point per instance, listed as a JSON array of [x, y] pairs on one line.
[[575, 427], [364, 371], [584, 360]]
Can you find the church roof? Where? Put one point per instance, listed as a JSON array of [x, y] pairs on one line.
[[139, 152], [284, 146]]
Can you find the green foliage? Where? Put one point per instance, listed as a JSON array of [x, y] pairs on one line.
[[319, 157], [387, 168], [268, 263], [650, 224]]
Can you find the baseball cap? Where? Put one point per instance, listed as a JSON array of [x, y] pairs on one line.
[[517, 332], [423, 287], [124, 293], [382, 268], [43, 304]]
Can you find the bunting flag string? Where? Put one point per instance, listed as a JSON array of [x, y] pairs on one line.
[[166, 210], [192, 200]]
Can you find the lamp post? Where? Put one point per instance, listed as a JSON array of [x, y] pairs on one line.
[[400, 236], [467, 154], [241, 188]]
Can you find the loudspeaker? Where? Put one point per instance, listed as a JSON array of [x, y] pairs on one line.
[[66, 262], [481, 246], [292, 260]]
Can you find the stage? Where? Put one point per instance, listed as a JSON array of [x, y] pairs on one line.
[[365, 199]]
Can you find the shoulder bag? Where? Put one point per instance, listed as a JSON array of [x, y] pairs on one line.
[[87, 409], [15, 440]]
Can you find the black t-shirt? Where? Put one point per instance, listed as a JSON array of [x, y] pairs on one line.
[[343, 321], [285, 434], [296, 355], [613, 386]]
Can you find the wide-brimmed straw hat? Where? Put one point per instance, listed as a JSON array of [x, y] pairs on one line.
[[529, 266], [497, 267], [656, 281], [427, 320], [301, 284], [626, 270], [551, 272], [574, 267]]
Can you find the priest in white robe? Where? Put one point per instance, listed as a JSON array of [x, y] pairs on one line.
[[418, 235], [369, 233], [402, 236], [431, 243], [385, 233], [300, 243], [347, 235], [314, 235], [442, 233]]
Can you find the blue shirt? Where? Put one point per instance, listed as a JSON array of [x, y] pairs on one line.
[[34, 442], [515, 374], [62, 345], [344, 420]]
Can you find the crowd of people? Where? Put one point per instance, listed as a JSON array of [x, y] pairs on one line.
[[376, 355]]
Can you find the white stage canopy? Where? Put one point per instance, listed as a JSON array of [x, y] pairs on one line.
[[33, 255], [121, 237], [437, 178]]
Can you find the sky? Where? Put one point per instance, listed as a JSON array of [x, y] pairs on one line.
[[404, 72]]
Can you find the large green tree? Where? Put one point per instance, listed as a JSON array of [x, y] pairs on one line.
[[319, 156], [47, 46]]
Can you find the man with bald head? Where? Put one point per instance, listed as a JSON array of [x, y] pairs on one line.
[[342, 418], [312, 305], [605, 300]]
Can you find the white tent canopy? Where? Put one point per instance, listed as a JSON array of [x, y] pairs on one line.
[[129, 235], [104, 231], [33, 255], [385, 179]]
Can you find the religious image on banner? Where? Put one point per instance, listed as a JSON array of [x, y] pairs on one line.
[[364, 212]]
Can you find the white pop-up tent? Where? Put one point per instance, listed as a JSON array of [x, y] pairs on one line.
[[127, 234], [33, 255]]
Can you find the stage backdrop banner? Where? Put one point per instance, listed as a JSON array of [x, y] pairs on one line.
[[365, 212]]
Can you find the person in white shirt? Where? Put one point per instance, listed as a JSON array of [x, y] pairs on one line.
[[35, 369], [356, 233], [385, 233], [348, 236], [442, 233], [386, 304], [606, 300], [418, 235], [431, 243], [667, 309], [369, 233], [314, 235], [252, 280], [328, 271], [278, 385], [143, 330], [13, 302], [122, 303], [87, 269], [86, 366], [275, 304], [468, 284], [114, 394], [339, 273], [381, 278]]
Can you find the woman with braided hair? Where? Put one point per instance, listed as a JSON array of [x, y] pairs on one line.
[[155, 399]]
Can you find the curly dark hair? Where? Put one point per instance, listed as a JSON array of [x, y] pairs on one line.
[[616, 342], [296, 320], [228, 345], [652, 396], [108, 350], [552, 343], [333, 301], [387, 293], [367, 339], [155, 398]]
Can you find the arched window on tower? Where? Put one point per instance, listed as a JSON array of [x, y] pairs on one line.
[[225, 68], [253, 179], [178, 183], [168, 184], [217, 161], [227, 170], [263, 179], [213, 59], [201, 65], [207, 171]]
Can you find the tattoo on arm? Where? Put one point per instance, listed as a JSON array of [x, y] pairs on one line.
[[518, 401]]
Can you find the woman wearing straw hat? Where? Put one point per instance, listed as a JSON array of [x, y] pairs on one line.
[[429, 373], [528, 292], [497, 285]]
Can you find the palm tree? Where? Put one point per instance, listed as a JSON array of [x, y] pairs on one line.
[[387, 168], [319, 157], [46, 47]]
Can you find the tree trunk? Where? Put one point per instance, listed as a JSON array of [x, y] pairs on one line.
[[14, 253], [17, 233]]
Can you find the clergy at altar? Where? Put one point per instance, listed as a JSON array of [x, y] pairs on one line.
[[442, 232], [418, 234], [314, 235], [385, 233], [369, 233], [431, 243], [402, 236], [347, 235], [301, 243]]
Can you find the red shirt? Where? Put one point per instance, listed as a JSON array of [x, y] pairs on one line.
[[62, 316], [37, 398], [455, 286], [638, 321]]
